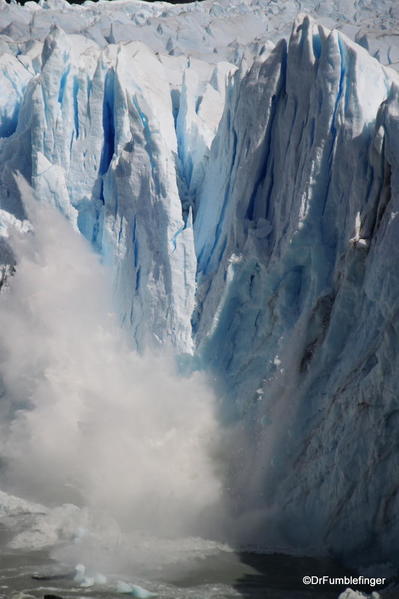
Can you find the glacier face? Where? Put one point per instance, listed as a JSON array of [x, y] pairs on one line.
[[296, 284], [244, 194]]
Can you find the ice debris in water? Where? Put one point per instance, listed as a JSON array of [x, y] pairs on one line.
[[88, 580], [134, 590], [349, 594]]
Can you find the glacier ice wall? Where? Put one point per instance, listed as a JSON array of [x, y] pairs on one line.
[[101, 137], [244, 195], [297, 258]]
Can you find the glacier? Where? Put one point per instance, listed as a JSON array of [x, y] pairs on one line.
[[296, 289], [237, 173]]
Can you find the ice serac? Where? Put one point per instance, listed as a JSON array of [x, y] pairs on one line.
[[143, 223], [297, 300], [117, 138], [102, 145]]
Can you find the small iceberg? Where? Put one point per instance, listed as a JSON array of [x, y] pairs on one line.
[[85, 580], [134, 590]]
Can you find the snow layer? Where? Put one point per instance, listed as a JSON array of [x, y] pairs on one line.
[[244, 191], [213, 30]]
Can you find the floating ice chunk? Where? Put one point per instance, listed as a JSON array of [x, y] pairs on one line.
[[349, 594], [134, 589], [85, 580], [123, 587], [80, 572]]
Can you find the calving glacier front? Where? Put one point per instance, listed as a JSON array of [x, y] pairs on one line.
[[301, 191], [249, 215]]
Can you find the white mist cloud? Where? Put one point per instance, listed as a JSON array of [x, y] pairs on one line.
[[89, 421]]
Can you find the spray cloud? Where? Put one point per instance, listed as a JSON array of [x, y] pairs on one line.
[[84, 419]]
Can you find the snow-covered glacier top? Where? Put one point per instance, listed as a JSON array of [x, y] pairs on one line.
[[213, 30], [236, 166]]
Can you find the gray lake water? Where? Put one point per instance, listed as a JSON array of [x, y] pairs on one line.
[[226, 575]]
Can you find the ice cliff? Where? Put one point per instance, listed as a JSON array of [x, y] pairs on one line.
[[243, 191], [295, 237]]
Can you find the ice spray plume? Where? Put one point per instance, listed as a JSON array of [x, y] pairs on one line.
[[89, 421]]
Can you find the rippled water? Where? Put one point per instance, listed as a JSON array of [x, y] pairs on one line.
[[225, 575], [39, 556]]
